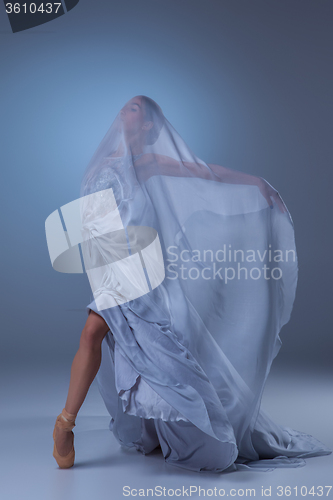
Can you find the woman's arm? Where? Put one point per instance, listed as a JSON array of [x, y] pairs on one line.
[[234, 176], [153, 164]]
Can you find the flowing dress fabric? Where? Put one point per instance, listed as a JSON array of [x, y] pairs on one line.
[[185, 364]]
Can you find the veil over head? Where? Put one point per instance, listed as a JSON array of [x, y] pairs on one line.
[[195, 276]]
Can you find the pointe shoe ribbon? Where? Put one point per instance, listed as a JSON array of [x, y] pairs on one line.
[[66, 422]]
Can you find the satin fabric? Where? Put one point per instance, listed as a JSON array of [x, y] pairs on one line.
[[184, 365]]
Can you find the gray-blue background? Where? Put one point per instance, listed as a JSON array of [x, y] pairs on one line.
[[247, 84]]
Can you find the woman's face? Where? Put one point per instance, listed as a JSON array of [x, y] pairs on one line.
[[132, 116]]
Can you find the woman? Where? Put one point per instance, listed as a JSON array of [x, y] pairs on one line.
[[188, 323]]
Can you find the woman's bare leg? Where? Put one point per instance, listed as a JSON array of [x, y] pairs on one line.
[[85, 366]]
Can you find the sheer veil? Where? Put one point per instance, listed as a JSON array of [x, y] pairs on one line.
[[195, 275]]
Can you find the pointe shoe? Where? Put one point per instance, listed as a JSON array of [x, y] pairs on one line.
[[66, 422]]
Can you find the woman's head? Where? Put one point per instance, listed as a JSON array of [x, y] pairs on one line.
[[142, 119]]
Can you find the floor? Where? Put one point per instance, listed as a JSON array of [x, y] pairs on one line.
[[31, 398]]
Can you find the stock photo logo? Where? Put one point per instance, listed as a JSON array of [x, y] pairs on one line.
[[25, 15], [87, 235]]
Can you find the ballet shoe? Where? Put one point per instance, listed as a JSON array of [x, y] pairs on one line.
[[66, 422]]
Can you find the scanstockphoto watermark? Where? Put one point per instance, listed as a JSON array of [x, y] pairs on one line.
[[228, 263], [189, 491]]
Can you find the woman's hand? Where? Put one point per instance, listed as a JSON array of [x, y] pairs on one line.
[[268, 192]]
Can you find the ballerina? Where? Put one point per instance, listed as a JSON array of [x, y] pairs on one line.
[[187, 341]]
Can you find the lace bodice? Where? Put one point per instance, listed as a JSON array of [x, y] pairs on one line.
[[115, 174]]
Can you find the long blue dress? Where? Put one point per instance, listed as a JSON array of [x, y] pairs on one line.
[[184, 365]]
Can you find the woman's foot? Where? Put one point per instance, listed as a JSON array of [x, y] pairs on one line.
[[63, 450], [64, 441]]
